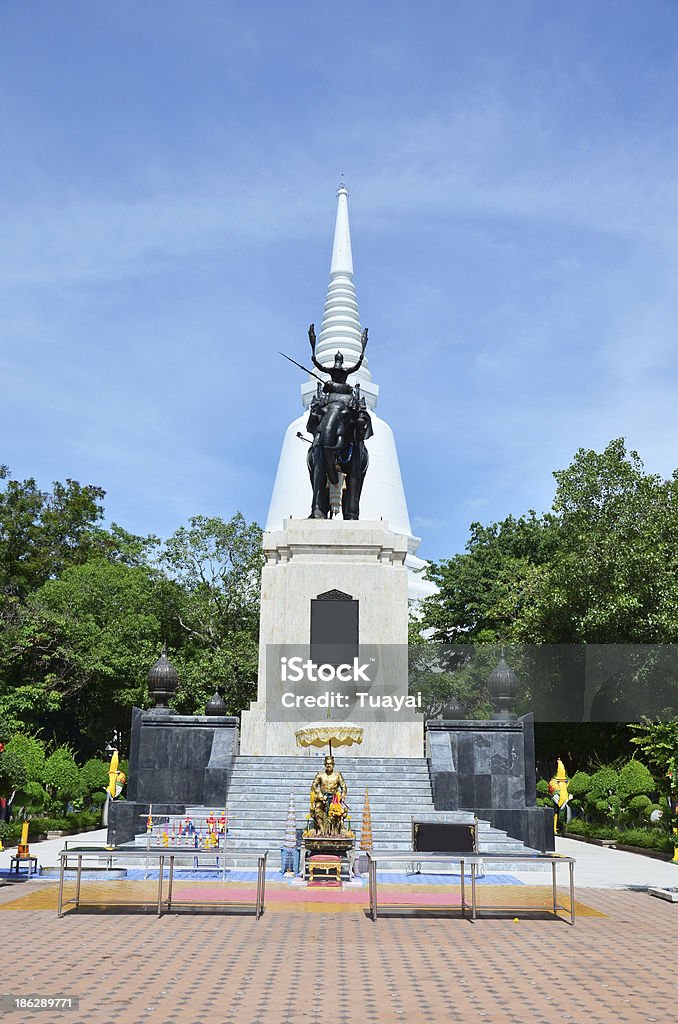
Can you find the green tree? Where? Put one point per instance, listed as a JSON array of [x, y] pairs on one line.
[[43, 532], [635, 780], [31, 750], [217, 567], [81, 649], [600, 568], [659, 743], [481, 593], [118, 545], [49, 611], [12, 772], [94, 775], [613, 576], [438, 674], [579, 785], [602, 796]]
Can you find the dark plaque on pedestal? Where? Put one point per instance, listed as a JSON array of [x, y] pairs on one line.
[[444, 837], [334, 628]]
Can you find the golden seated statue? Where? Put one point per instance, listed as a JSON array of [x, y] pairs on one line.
[[329, 809]]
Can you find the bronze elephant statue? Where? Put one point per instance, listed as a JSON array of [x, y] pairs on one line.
[[340, 424]]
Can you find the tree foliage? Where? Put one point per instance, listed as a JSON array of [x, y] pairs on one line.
[[31, 752], [41, 533], [12, 772], [659, 743], [614, 574], [80, 650], [94, 775], [217, 567], [85, 610], [635, 779], [482, 592], [600, 567], [62, 776]]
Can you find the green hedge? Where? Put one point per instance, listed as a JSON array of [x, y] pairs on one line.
[[11, 833], [65, 823], [614, 796], [646, 838]]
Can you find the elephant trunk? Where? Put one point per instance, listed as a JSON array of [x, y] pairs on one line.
[[331, 465]]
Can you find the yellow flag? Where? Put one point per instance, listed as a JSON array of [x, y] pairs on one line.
[[112, 774]]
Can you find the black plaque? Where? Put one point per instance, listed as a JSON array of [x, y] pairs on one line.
[[334, 628], [444, 837]]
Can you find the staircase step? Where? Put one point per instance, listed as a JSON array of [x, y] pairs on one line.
[[259, 788]]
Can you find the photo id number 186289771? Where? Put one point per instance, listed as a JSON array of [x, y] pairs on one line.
[[30, 1001]]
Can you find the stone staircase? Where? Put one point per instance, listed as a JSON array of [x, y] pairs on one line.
[[399, 789]]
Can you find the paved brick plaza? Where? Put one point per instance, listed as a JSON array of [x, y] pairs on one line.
[[616, 965]]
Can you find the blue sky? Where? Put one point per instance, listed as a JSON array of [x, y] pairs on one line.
[[167, 200]]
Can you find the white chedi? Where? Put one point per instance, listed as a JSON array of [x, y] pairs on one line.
[[383, 495]]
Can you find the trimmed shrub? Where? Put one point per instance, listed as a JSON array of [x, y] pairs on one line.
[[31, 750], [62, 776], [639, 803], [63, 823], [635, 808], [34, 796], [580, 784], [634, 779], [645, 838], [12, 772], [10, 832], [94, 775], [603, 782]]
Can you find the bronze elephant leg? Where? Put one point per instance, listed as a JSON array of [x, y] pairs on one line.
[[320, 506], [354, 484]]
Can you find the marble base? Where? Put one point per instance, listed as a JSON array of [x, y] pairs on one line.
[[306, 559], [380, 739]]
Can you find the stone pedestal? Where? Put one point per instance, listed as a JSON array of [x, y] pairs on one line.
[[309, 558], [488, 767]]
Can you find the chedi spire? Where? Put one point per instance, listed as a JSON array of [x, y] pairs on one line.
[[341, 330]]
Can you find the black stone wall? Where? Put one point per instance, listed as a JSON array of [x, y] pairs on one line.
[[488, 767], [174, 760]]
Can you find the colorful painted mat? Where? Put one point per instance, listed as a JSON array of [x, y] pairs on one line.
[[387, 877], [281, 897]]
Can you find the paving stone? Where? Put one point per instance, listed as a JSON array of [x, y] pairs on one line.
[[617, 967]]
